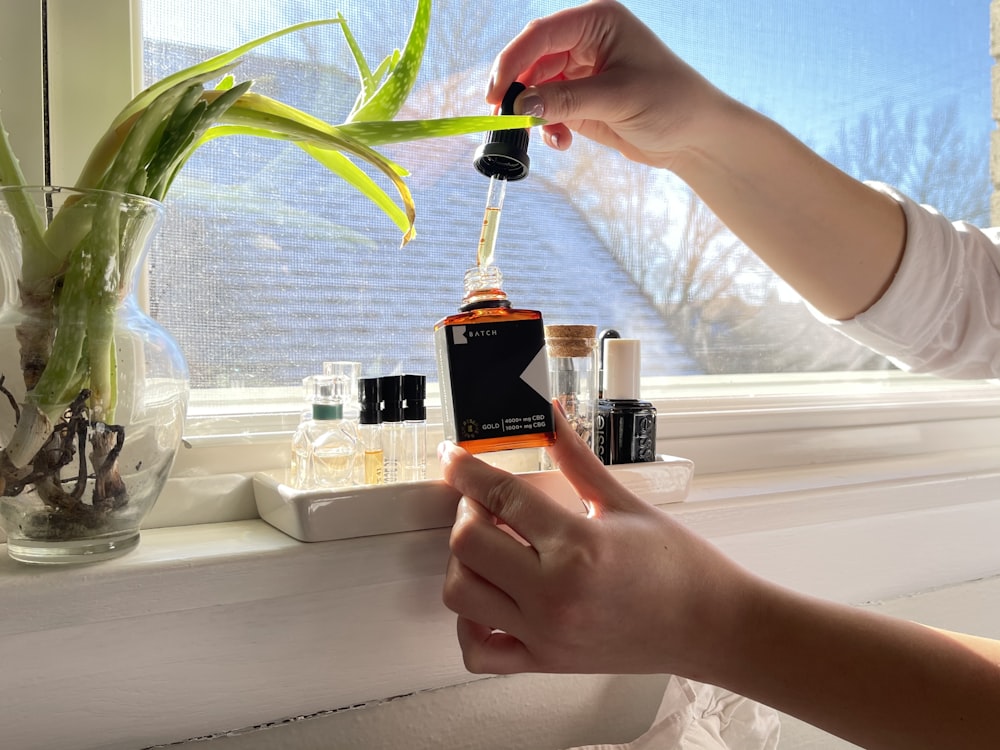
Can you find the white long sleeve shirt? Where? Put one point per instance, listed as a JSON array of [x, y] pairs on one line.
[[941, 313]]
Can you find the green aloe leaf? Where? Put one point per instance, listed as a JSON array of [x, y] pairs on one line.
[[38, 256], [369, 82], [340, 165], [212, 65], [390, 95], [379, 133]]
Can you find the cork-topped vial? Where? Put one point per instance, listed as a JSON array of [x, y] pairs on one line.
[[573, 375]]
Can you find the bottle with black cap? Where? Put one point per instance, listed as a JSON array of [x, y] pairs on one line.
[[370, 432], [415, 426], [491, 357], [391, 393]]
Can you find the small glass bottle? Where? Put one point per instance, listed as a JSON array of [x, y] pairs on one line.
[[391, 393], [323, 447], [573, 376], [415, 426], [370, 466]]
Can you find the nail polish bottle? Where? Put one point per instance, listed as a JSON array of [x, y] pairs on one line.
[[626, 425], [393, 436], [491, 356], [414, 466], [573, 375], [370, 457]]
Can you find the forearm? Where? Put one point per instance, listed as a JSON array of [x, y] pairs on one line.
[[832, 238], [871, 679]]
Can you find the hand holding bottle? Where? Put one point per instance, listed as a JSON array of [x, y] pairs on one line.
[[624, 588]]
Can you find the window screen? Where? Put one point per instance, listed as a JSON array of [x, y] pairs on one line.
[[268, 265]]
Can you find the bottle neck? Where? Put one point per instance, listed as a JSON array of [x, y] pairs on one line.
[[327, 412], [484, 288]]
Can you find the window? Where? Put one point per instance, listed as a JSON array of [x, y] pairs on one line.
[[268, 265]]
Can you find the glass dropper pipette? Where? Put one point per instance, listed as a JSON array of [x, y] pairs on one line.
[[491, 222], [503, 156]]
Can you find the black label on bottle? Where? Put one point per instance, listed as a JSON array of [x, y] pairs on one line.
[[494, 379]]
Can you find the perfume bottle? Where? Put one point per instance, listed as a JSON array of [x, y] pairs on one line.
[[491, 356], [415, 428], [391, 394], [369, 458], [626, 425], [323, 446], [573, 375]]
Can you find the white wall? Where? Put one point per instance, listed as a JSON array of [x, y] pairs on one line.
[[545, 712]]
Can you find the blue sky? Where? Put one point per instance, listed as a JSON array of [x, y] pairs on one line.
[[810, 64]]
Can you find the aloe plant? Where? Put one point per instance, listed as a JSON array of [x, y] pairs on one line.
[[143, 150]]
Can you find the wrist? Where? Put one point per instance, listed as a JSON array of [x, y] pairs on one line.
[[723, 127], [724, 624]]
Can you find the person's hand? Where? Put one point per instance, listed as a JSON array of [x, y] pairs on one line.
[[621, 589], [598, 70]]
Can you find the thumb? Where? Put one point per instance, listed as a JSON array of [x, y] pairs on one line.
[[572, 100], [535, 516], [581, 467]]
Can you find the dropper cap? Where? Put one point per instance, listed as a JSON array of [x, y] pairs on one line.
[[504, 153]]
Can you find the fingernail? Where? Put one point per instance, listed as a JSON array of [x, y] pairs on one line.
[[559, 405], [446, 449], [531, 105]]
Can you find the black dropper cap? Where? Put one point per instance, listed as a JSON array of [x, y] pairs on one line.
[[391, 388], [368, 401], [414, 393], [504, 153]]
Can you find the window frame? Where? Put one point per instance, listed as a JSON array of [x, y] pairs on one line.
[[858, 488], [95, 65]]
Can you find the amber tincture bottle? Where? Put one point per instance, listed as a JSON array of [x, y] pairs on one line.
[[491, 357]]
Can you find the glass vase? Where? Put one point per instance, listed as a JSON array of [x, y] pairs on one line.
[[93, 392]]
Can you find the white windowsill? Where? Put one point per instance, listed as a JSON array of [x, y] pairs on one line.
[[218, 621], [220, 626]]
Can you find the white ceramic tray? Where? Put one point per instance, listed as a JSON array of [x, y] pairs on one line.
[[325, 515]]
